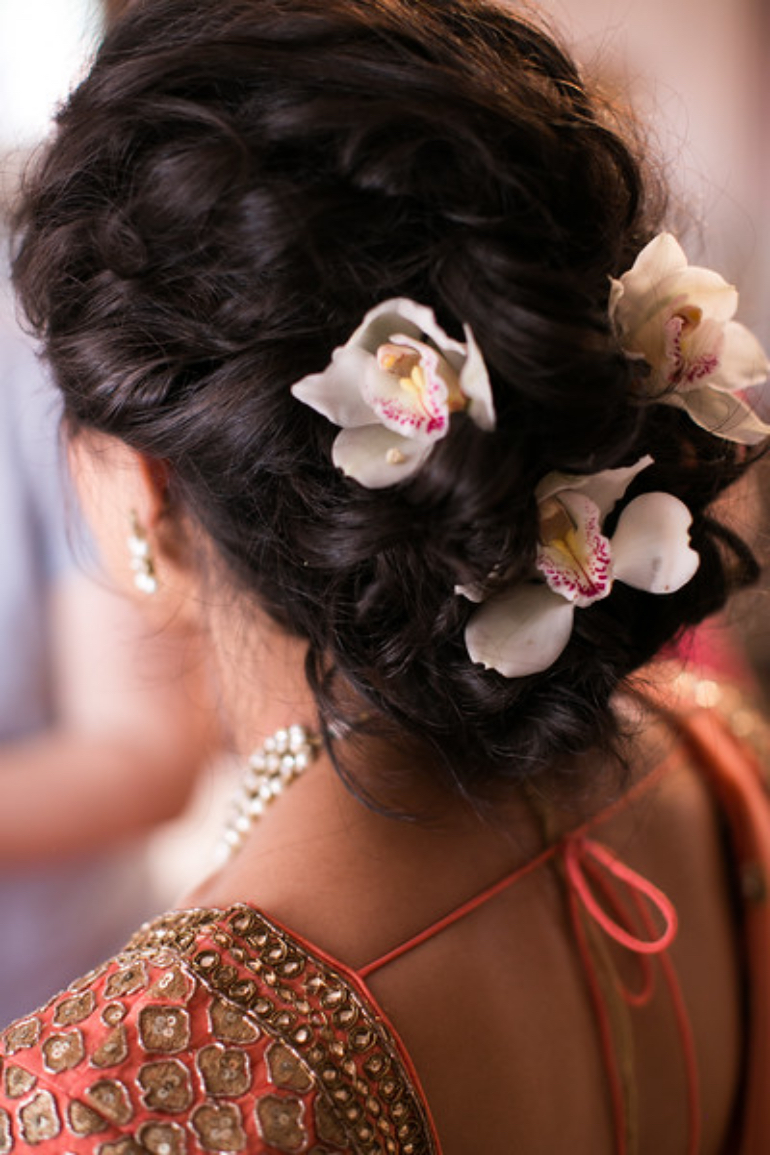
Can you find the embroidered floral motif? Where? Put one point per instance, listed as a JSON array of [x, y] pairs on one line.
[[127, 981], [328, 1126], [6, 1137], [22, 1035], [113, 1014], [225, 1071], [164, 1028], [63, 1052], [174, 986], [219, 1128], [39, 1119], [163, 1139], [110, 1098], [84, 1121], [121, 1147], [298, 1055], [286, 1070], [230, 1025], [280, 1123], [167, 1086], [114, 1049], [17, 1081], [74, 1009]]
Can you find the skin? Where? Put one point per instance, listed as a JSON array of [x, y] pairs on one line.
[[494, 1011]]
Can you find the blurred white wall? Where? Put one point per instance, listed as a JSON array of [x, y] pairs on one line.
[[695, 71], [44, 47]]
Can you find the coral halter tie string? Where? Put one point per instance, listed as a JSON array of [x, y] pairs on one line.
[[583, 858]]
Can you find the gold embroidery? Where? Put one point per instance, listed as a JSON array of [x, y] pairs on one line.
[[328, 1126], [280, 1121], [74, 1009], [89, 979], [39, 1119], [225, 1071], [166, 1086], [22, 1035], [113, 1051], [163, 1139], [336, 1078], [744, 720], [17, 1081], [113, 1014], [127, 981], [63, 1052], [231, 1025], [286, 1070], [174, 984], [165, 1029], [6, 1137], [110, 1098], [83, 1121], [121, 1147], [219, 1128], [345, 1028]]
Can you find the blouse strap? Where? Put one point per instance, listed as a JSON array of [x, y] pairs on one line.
[[503, 884]]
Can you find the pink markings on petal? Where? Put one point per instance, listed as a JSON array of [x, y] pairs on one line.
[[574, 557], [693, 346], [416, 389]]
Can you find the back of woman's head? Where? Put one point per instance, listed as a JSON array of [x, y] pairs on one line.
[[230, 191]]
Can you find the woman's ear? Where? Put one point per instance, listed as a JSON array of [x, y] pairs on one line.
[[142, 542]]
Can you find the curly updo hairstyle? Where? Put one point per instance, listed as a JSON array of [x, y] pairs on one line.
[[235, 184]]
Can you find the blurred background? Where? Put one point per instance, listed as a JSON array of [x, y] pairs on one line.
[[695, 72]]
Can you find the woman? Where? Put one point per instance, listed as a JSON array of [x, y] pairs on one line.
[[368, 342]]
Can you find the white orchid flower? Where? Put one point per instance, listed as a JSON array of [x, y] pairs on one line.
[[393, 388], [523, 630], [678, 317]]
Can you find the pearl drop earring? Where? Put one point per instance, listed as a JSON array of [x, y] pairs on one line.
[[142, 562]]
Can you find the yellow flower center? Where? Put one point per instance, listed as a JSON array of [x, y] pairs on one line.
[[557, 526], [406, 364], [560, 532]]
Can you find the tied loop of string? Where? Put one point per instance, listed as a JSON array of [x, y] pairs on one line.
[[580, 850], [582, 856]]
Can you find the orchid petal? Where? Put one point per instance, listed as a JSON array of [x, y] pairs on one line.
[[662, 257], [742, 362], [336, 393], [475, 592], [576, 561], [395, 316], [520, 632], [476, 386], [643, 322], [401, 315], [416, 408], [704, 289], [617, 292], [723, 414], [605, 489], [651, 545], [693, 352], [376, 457]]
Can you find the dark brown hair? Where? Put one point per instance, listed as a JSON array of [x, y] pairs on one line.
[[229, 191]]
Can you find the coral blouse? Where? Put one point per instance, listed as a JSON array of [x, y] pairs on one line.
[[223, 1031]]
